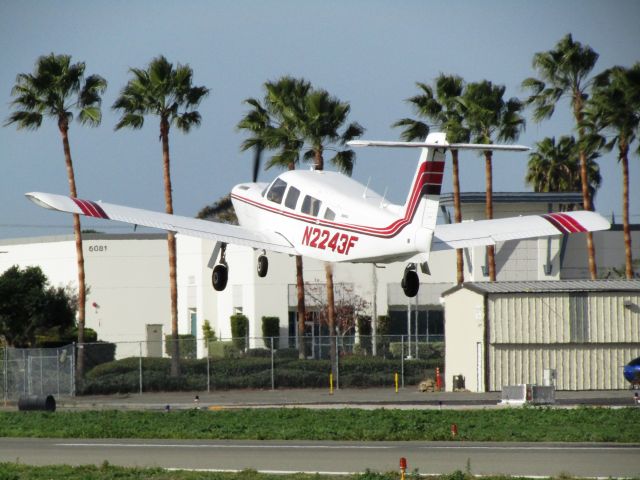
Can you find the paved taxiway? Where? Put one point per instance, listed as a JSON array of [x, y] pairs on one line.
[[592, 460]]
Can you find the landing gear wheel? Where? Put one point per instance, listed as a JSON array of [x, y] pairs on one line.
[[220, 277], [263, 266], [410, 283]]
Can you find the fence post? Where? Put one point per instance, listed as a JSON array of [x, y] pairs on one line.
[[6, 372], [337, 364], [58, 370], [402, 359], [273, 380], [73, 369], [140, 365], [208, 372]]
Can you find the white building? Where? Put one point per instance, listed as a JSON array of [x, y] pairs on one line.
[[128, 277]]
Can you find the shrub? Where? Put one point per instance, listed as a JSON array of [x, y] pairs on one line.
[[239, 330], [98, 353], [364, 331], [271, 329], [186, 344]]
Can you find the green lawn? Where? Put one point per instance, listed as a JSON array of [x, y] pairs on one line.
[[511, 424]]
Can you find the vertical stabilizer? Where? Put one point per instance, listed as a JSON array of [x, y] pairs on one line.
[[421, 206]]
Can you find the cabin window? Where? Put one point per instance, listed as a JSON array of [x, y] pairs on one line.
[[329, 214], [311, 206], [292, 198], [276, 192]]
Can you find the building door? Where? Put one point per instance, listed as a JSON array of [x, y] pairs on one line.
[[154, 340], [193, 317]]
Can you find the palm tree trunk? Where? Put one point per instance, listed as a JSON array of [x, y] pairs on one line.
[[491, 256], [331, 316], [584, 180], [64, 130], [624, 161], [171, 243], [301, 307], [457, 212]]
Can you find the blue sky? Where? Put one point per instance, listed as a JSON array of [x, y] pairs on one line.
[[369, 53]]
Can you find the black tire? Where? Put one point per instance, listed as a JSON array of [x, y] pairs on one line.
[[410, 283], [219, 277], [263, 266]]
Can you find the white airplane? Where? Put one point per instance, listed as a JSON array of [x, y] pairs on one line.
[[328, 216]]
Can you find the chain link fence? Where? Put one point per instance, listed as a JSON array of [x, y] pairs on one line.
[[37, 371], [262, 363]]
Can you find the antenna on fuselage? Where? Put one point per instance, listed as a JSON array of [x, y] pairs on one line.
[[383, 197], [364, 194]]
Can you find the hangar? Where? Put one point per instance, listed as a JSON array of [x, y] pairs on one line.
[[508, 333]]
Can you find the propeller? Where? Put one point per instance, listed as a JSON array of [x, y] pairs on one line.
[[257, 158]]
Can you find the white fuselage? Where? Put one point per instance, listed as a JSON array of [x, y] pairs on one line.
[[329, 216]]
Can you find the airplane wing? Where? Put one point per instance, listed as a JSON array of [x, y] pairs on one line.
[[489, 232], [174, 223]]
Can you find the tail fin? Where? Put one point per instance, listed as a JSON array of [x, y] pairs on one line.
[[421, 206]]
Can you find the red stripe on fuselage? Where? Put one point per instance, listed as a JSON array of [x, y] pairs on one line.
[[427, 174]]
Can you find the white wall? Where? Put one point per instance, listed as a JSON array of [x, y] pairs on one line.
[[464, 346], [127, 277]]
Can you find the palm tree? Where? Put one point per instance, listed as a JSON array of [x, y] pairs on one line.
[[271, 124], [319, 122], [555, 167], [56, 89], [615, 108], [443, 108], [487, 116], [167, 92], [564, 72]]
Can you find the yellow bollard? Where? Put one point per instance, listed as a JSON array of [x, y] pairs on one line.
[[331, 384], [396, 380]]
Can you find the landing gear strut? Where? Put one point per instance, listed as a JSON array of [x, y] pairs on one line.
[[263, 265], [221, 271], [410, 281]]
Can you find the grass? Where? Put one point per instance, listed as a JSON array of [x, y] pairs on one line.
[[14, 471], [514, 424]]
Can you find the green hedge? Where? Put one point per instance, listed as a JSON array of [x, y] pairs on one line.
[[122, 376]]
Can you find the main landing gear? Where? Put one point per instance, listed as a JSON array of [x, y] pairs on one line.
[[263, 265], [221, 271], [220, 274], [410, 281]]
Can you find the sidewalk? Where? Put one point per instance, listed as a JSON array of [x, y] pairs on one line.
[[321, 398]]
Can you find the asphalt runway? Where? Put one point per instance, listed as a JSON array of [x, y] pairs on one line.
[[588, 460]]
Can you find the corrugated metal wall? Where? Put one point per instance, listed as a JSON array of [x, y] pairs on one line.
[[587, 337], [578, 367]]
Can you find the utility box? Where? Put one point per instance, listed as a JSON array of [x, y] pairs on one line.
[[528, 394]]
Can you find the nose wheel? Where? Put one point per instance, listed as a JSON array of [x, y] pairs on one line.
[[263, 266], [410, 282]]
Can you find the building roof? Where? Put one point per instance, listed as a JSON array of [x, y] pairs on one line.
[[85, 236], [546, 286], [446, 199]]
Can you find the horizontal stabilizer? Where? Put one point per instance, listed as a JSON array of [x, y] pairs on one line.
[[445, 145], [489, 232]]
